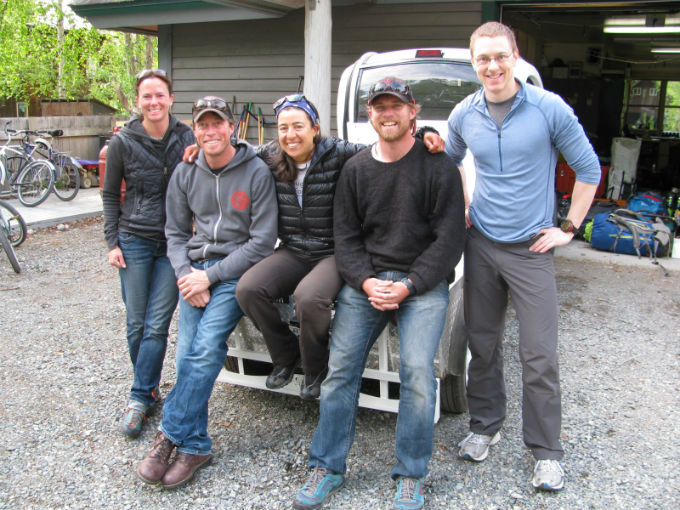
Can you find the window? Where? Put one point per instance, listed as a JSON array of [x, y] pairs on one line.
[[437, 86], [653, 105]]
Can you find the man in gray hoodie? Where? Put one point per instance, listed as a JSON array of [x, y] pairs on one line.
[[221, 219]]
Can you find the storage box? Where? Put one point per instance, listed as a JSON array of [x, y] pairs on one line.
[[565, 177]]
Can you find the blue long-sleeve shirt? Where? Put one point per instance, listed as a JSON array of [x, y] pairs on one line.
[[514, 194]]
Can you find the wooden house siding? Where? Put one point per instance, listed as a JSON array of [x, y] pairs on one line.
[[262, 60]]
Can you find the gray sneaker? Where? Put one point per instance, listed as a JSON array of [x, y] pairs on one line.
[[548, 476], [476, 446]]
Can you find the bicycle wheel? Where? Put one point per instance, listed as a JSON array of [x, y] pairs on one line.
[[7, 247], [14, 165], [13, 223], [67, 181], [35, 183]]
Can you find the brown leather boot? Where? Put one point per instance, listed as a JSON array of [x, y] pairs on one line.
[[155, 464], [182, 470]]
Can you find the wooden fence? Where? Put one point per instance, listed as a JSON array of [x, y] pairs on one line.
[[83, 135]]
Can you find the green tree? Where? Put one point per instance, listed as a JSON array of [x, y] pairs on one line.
[[46, 52]]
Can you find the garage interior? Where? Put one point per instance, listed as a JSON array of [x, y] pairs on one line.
[[618, 65]]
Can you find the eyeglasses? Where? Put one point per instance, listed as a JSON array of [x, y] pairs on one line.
[[151, 72], [484, 61], [293, 98]]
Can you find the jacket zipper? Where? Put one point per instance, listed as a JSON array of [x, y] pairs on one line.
[[219, 207]]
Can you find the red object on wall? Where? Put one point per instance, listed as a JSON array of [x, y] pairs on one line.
[[565, 179]]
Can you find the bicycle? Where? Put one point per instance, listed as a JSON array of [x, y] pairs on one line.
[[6, 231], [31, 179], [66, 168], [12, 223]]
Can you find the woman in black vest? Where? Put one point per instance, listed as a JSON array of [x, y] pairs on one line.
[[143, 155]]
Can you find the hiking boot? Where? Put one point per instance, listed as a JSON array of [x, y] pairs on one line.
[[133, 419], [476, 446], [310, 387], [182, 470], [548, 475], [155, 464], [320, 484], [409, 493], [281, 375]]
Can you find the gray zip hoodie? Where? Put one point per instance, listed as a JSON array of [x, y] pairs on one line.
[[232, 214]]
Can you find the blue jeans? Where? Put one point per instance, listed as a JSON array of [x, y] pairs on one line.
[[201, 350], [356, 326], [149, 290]]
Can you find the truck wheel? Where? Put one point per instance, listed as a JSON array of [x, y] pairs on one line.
[[452, 385], [452, 394]]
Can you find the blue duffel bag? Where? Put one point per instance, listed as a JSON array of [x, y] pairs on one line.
[[625, 231]]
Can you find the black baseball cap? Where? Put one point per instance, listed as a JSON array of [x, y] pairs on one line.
[[213, 104], [392, 86]]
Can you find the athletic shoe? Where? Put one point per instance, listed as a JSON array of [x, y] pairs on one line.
[[320, 484], [476, 446], [409, 494], [134, 418], [136, 413], [548, 475]]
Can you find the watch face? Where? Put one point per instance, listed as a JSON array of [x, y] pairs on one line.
[[567, 226]]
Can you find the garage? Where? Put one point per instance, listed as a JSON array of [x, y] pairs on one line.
[[618, 65]]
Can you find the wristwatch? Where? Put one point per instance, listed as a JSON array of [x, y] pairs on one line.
[[568, 227], [409, 285]]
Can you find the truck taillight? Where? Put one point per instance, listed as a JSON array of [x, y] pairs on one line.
[[429, 53]]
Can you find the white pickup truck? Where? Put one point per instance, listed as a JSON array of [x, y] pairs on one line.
[[439, 78]]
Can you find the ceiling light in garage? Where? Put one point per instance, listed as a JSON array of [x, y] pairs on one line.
[[665, 50], [650, 24]]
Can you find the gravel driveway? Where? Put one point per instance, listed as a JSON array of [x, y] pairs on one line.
[[65, 375]]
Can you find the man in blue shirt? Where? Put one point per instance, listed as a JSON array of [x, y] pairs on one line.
[[515, 131]]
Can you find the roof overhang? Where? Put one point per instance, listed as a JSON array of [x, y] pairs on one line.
[[144, 16]]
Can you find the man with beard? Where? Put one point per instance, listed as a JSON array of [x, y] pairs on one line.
[[399, 232]]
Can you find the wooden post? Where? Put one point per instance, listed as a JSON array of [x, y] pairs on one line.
[[318, 29]]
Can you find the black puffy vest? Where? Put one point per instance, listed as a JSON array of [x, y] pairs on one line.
[[309, 229], [148, 166]]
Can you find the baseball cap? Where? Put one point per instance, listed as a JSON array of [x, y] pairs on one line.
[[212, 104], [392, 86]]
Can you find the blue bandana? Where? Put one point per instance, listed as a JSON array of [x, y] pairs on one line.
[[302, 104]]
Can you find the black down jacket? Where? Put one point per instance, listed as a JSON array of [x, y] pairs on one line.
[[309, 229]]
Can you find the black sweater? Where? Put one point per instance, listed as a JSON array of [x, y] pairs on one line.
[[406, 216]]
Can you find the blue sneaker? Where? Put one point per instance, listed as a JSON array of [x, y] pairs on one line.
[[134, 418], [409, 493], [136, 414], [320, 484]]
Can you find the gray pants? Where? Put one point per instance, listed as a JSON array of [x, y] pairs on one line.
[[492, 270], [314, 283]]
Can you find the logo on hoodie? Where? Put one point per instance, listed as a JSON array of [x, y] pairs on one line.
[[240, 200]]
